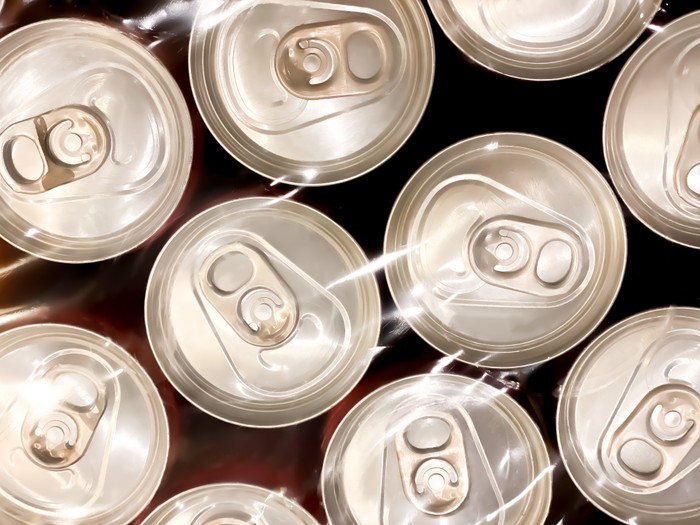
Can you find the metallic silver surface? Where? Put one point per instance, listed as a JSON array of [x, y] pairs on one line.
[[95, 140], [651, 130], [436, 449], [83, 433], [307, 92], [629, 419], [506, 250], [261, 312], [229, 504], [543, 39]]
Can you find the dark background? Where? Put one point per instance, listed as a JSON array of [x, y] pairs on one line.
[[467, 100]]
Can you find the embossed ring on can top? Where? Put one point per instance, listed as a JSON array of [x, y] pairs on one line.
[[543, 39], [505, 250], [263, 312], [230, 504], [628, 420], [312, 93], [652, 132], [437, 448], [95, 141], [83, 433]]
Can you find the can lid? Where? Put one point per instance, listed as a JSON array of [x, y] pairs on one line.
[[544, 40], [230, 504], [629, 419], [437, 448], [277, 82], [506, 249], [83, 433], [89, 119], [652, 129], [259, 313]]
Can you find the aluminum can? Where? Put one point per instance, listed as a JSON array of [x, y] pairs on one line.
[[651, 130], [628, 421], [230, 504], [83, 433], [307, 92], [96, 141], [543, 40], [437, 448], [262, 312], [506, 250]]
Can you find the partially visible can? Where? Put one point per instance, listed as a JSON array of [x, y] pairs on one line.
[[629, 419], [538, 40], [83, 433], [437, 448], [312, 93], [506, 250], [230, 504], [262, 312], [96, 141], [652, 132]]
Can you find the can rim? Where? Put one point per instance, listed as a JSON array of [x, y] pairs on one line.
[[564, 402], [615, 209], [162, 441], [362, 366], [229, 486], [209, 117], [87, 250], [524, 70], [668, 228], [516, 412]]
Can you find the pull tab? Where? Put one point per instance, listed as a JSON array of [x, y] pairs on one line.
[[243, 286], [349, 57], [687, 168], [54, 148], [56, 434], [536, 258], [651, 440], [650, 446], [433, 464], [479, 241]]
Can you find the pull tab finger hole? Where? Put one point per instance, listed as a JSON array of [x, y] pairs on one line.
[[693, 179], [364, 54], [230, 272]]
